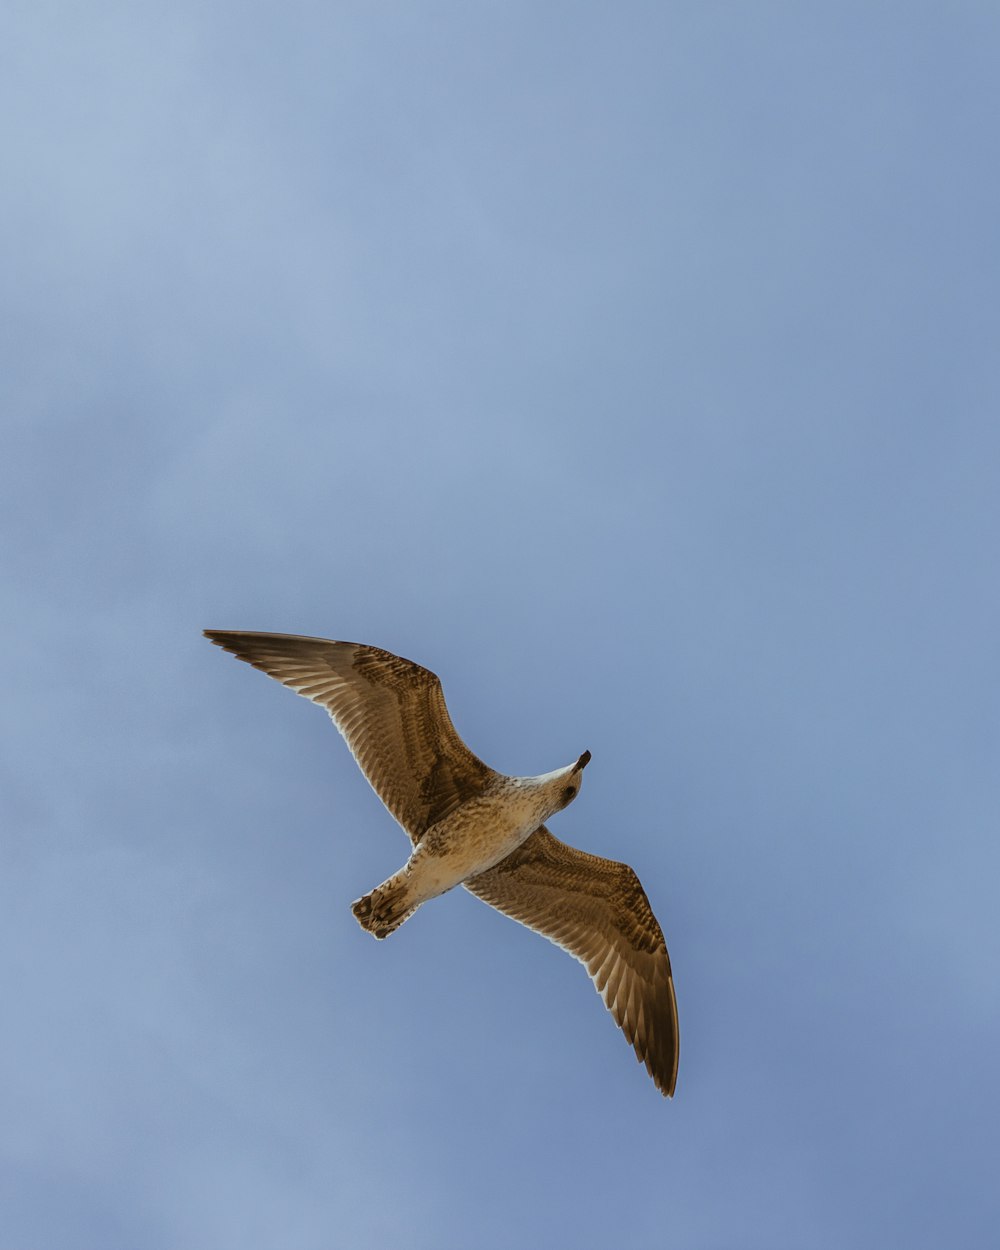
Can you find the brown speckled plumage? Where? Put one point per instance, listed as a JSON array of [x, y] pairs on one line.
[[392, 714], [597, 911]]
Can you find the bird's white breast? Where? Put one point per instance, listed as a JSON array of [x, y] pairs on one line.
[[480, 833]]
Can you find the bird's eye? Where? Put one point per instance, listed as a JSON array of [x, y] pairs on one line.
[[569, 793]]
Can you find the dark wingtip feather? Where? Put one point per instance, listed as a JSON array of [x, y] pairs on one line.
[[228, 639]]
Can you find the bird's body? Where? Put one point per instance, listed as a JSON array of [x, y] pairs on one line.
[[486, 829], [472, 826], [481, 832]]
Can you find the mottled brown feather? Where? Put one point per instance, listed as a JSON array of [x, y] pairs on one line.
[[392, 714], [597, 910], [390, 711]]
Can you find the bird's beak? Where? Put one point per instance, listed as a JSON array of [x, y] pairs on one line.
[[583, 761]]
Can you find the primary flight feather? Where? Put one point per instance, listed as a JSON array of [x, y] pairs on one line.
[[475, 827]]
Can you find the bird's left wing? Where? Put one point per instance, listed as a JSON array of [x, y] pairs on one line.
[[596, 910], [390, 711]]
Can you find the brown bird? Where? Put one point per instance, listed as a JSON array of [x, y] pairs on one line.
[[475, 827]]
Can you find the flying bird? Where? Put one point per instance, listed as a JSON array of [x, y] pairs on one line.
[[483, 830]]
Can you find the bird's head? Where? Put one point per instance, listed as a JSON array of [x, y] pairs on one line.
[[572, 780]]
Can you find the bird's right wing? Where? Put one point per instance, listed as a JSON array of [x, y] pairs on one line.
[[390, 711], [597, 910]]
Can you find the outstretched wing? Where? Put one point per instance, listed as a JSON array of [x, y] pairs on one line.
[[390, 711], [597, 910]]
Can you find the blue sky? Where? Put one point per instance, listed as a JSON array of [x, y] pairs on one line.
[[635, 368]]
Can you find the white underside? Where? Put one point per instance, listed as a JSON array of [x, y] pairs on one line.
[[481, 833]]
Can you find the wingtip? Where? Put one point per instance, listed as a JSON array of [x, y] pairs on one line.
[[666, 1087], [224, 638]]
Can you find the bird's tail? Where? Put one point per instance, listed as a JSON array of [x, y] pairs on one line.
[[383, 910]]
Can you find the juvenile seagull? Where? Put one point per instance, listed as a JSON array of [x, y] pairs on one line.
[[475, 827]]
